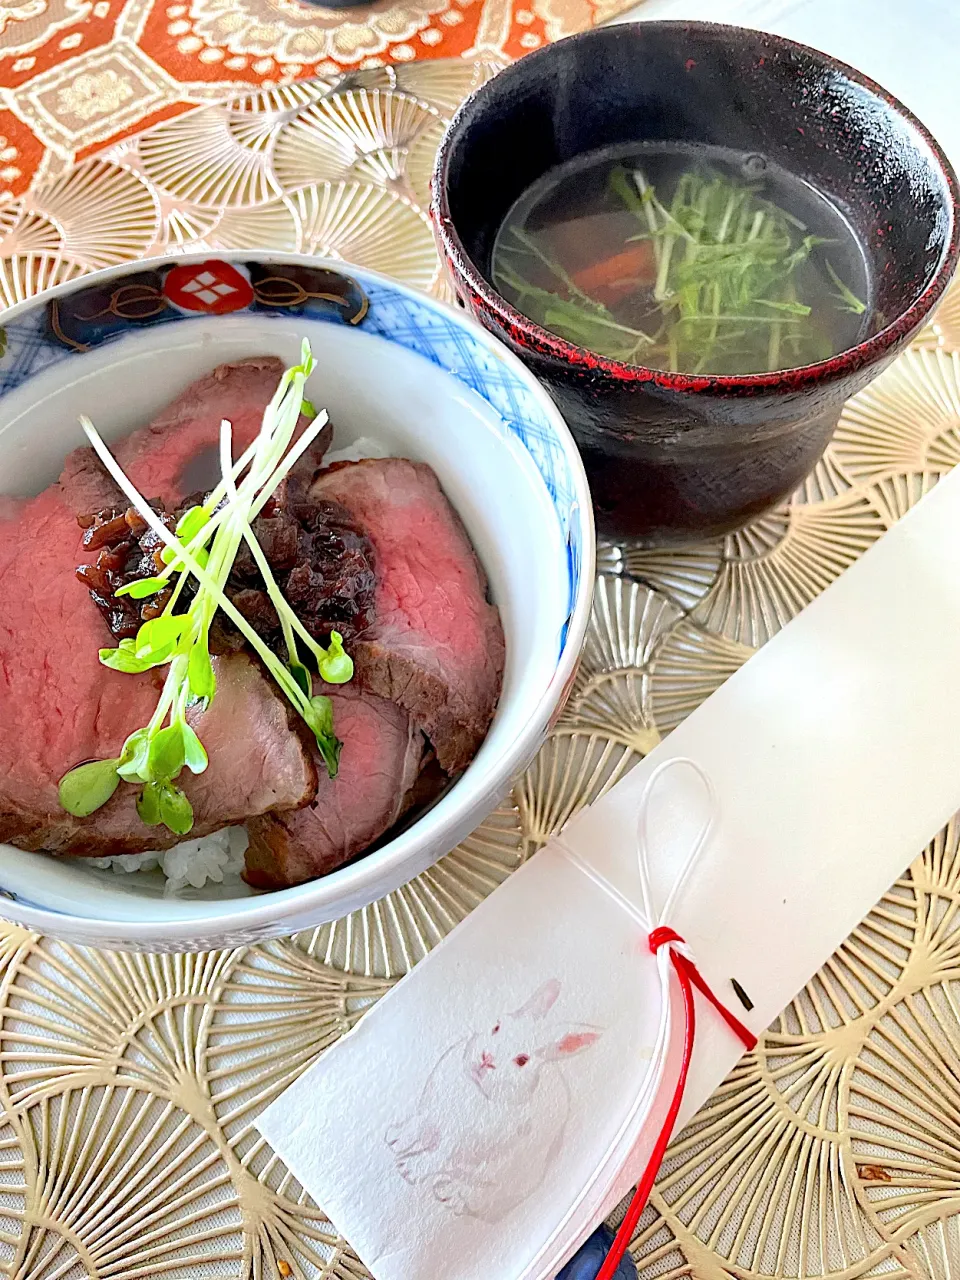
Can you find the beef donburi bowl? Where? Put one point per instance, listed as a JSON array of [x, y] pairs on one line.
[[296, 569]]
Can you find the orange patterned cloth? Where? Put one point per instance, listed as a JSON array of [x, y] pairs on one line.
[[77, 75]]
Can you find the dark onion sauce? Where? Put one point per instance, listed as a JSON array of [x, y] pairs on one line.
[[323, 564]]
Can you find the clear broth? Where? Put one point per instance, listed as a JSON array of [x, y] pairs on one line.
[[711, 261]]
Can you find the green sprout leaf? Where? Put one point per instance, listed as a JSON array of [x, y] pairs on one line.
[[124, 659], [148, 805], [88, 787], [200, 673], [160, 635], [301, 675], [135, 745], [320, 719], [141, 588], [176, 812], [194, 755], [330, 749], [133, 758], [307, 409], [191, 522], [321, 715], [336, 666], [167, 754]]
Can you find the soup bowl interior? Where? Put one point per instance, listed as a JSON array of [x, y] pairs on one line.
[[712, 85], [425, 383]]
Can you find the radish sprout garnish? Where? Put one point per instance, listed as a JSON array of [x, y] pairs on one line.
[[204, 546]]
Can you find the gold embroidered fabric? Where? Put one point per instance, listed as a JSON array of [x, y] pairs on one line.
[[77, 75]]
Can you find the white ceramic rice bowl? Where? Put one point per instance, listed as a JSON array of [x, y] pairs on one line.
[[411, 372]]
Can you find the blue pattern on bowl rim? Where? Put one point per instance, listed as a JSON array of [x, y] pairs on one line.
[[81, 318]]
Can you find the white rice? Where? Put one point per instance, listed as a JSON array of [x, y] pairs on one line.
[[364, 447], [217, 858]]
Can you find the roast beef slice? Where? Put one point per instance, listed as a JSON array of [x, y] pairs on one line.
[[379, 762], [177, 455], [436, 646]]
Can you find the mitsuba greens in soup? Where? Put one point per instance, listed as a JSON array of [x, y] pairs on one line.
[[689, 259]]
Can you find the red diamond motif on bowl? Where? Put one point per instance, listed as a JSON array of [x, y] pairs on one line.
[[212, 287]]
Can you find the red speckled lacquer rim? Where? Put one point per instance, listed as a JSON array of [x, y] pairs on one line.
[[527, 334]]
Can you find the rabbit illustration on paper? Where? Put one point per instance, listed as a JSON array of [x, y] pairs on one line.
[[492, 1114]]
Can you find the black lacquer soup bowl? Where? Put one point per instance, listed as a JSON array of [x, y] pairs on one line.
[[671, 456]]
